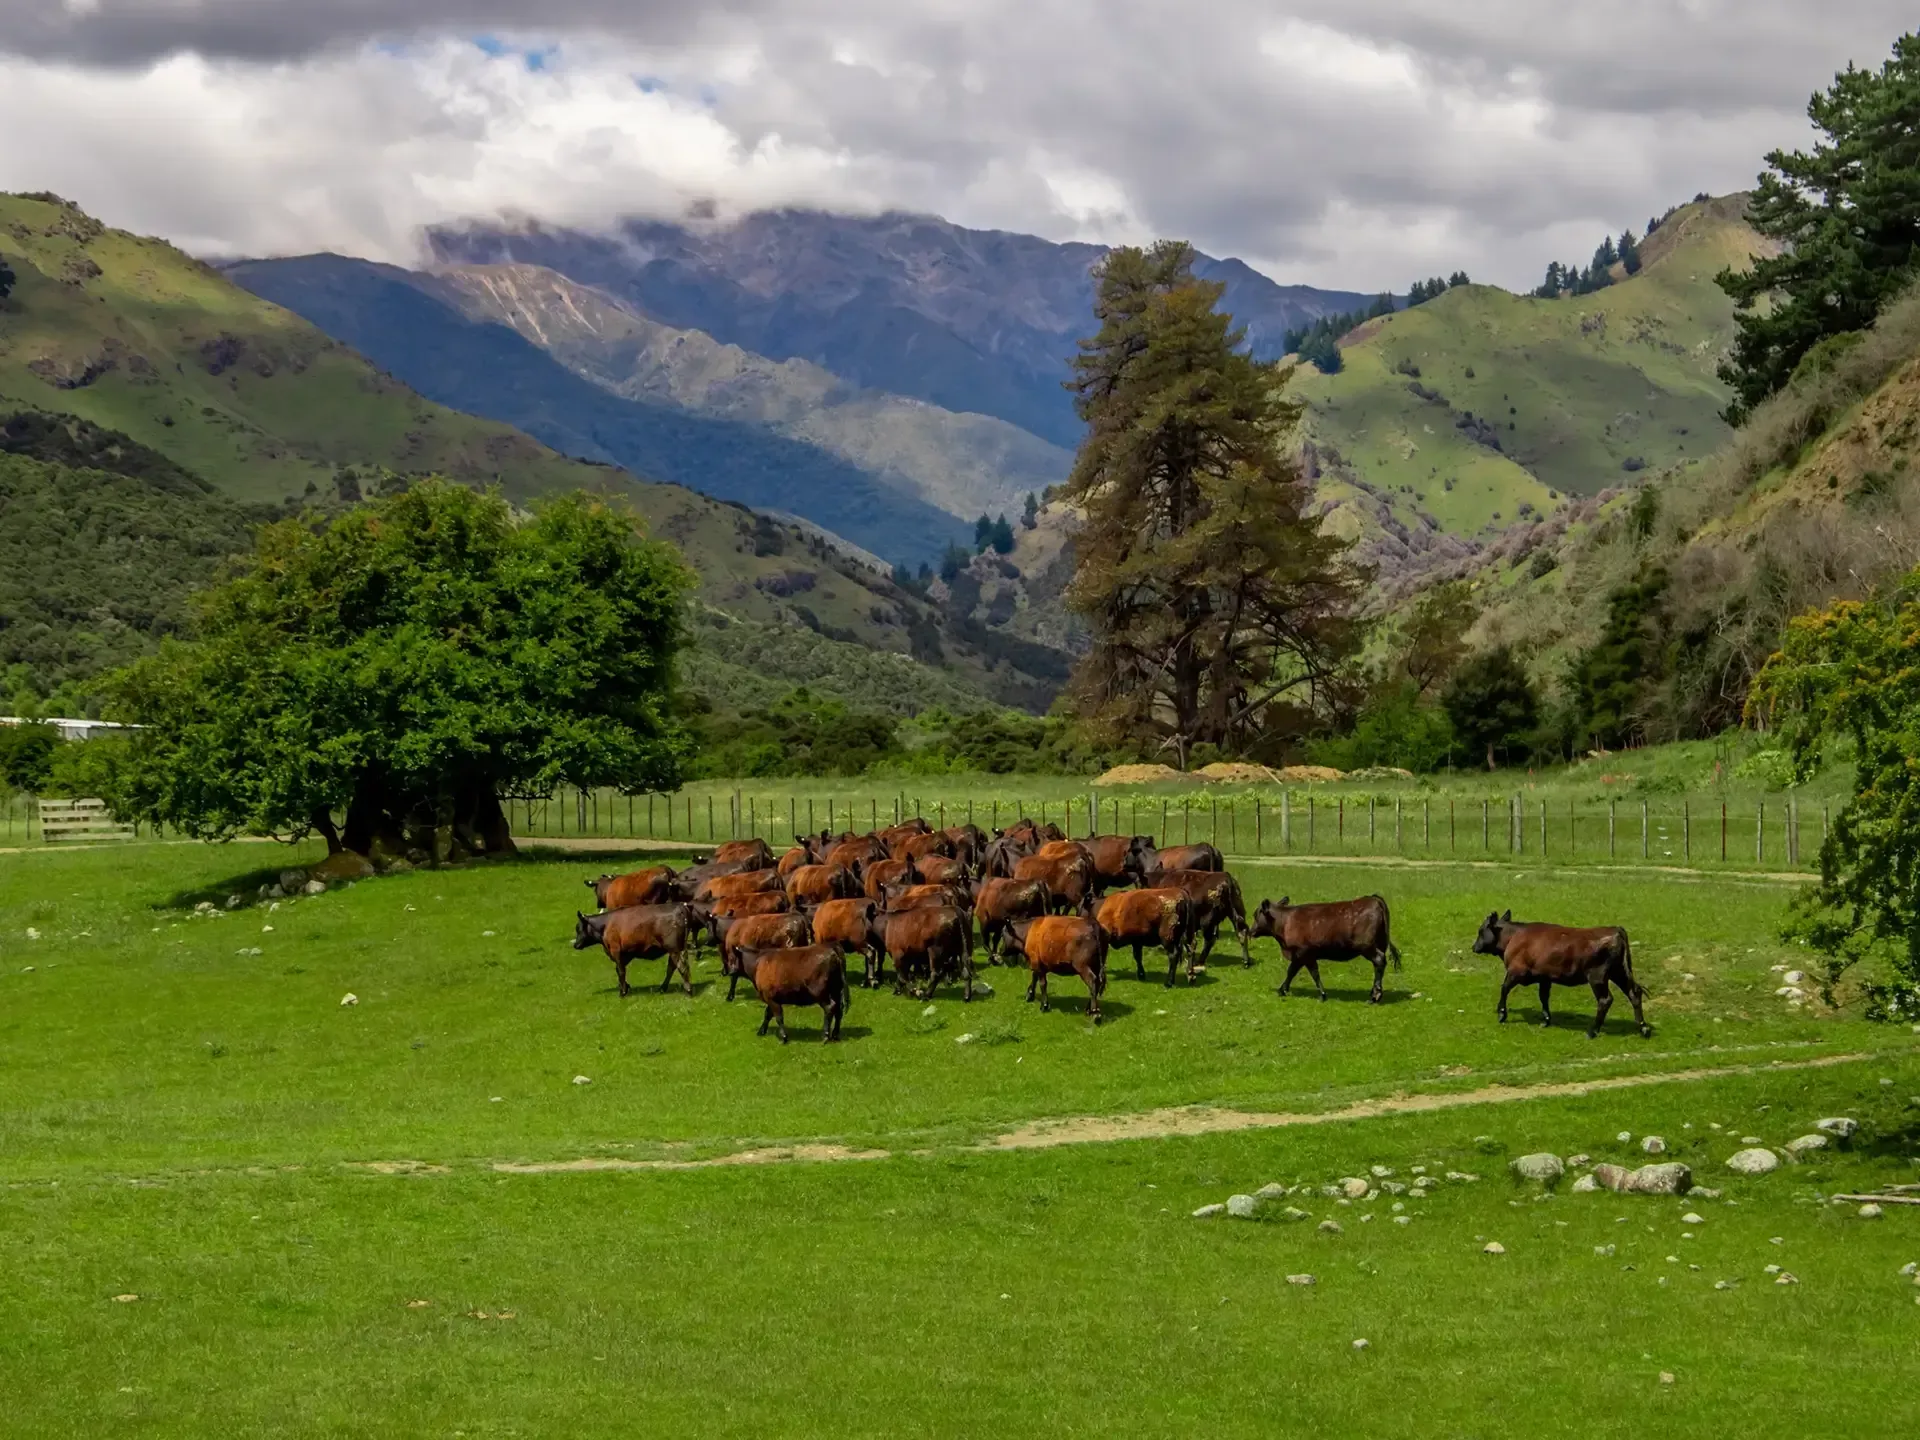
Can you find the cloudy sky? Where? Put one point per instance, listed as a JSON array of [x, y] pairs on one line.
[[1358, 143]]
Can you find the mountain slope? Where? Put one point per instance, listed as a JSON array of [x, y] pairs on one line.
[[964, 464], [1480, 408], [396, 320], [970, 320]]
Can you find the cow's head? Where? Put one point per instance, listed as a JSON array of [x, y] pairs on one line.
[[1140, 856], [1269, 916], [1492, 938], [583, 935]]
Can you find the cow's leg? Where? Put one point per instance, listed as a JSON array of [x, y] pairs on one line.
[[620, 969], [1046, 1000], [1293, 968], [1212, 930], [966, 970], [1506, 984], [1093, 991], [1313, 969], [780, 1022], [1379, 977], [829, 1018], [766, 1020], [733, 982], [1173, 966], [1546, 1002], [1033, 986], [1139, 966], [1246, 955], [1602, 1002]]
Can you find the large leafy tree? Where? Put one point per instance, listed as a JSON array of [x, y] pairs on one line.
[[1210, 595], [1852, 672], [383, 680], [1492, 704], [1848, 216]]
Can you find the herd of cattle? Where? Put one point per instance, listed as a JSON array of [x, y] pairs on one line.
[[916, 897]]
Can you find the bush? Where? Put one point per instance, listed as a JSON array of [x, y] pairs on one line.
[[1393, 729], [27, 755]]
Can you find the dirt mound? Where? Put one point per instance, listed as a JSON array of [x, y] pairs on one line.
[[1380, 772], [1139, 775], [1237, 772], [1303, 774]]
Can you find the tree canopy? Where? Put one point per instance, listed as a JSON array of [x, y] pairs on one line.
[[1492, 704], [1210, 595], [406, 665], [1847, 215]]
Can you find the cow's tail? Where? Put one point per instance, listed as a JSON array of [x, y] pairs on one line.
[[1626, 967], [1393, 953]]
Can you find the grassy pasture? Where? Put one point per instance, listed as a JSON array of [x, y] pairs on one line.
[[196, 1126]]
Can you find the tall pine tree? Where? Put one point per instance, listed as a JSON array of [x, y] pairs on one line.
[[1212, 598]]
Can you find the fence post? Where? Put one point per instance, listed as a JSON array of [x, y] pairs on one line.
[[710, 830], [1186, 820], [1760, 833], [1340, 823], [1310, 808], [1486, 825], [1286, 819], [1543, 829], [1426, 825], [1723, 830], [1399, 831], [1686, 831], [1644, 850], [1259, 832], [1613, 818], [1370, 822], [1163, 836]]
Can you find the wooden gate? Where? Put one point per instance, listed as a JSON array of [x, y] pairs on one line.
[[79, 820]]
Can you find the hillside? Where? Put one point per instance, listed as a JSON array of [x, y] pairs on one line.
[[973, 321], [1478, 409], [133, 336], [409, 327]]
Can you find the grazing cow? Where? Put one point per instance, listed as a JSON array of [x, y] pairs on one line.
[[1003, 853], [1061, 945], [641, 932], [1339, 930], [852, 854], [941, 870], [797, 975], [1216, 901], [755, 850], [1150, 917], [1118, 859], [762, 932], [936, 942], [1181, 857], [1550, 955], [849, 924], [1069, 880], [689, 880], [921, 897], [998, 903], [769, 902], [882, 873], [918, 847], [747, 882], [652, 886], [812, 884]]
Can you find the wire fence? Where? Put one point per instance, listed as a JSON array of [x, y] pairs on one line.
[[1679, 830]]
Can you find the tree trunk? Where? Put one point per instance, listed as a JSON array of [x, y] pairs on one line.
[[490, 822], [1490, 755], [323, 822]]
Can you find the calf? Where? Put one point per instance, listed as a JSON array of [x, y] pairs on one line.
[[798, 975], [815, 884], [760, 932], [1181, 857], [1550, 955], [1062, 945], [1150, 917], [1339, 930], [746, 882], [997, 903], [653, 886], [941, 870], [849, 924], [882, 873], [755, 850], [1069, 880], [937, 941], [1216, 901], [640, 932]]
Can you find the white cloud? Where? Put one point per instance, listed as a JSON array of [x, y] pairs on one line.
[[1357, 143]]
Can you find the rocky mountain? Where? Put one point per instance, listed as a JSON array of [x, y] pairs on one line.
[[973, 321]]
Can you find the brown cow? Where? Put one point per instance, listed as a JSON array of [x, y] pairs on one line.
[[920, 897], [1339, 930], [938, 941], [942, 870], [997, 903], [1062, 945], [969, 842], [1216, 901], [1150, 917], [1033, 834], [798, 975], [849, 924], [770, 902], [912, 825], [802, 854], [653, 886], [852, 854], [1118, 859], [1063, 850], [747, 882], [1069, 881], [761, 932], [882, 873], [918, 847], [689, 880], [1550, 955], [1181, 857], [1003, 853], [640, 932], [755, 850], [812, 884]]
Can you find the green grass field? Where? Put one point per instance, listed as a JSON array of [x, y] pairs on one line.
[[279, 1179]]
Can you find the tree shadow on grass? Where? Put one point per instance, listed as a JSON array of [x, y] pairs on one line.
[[246, 885]]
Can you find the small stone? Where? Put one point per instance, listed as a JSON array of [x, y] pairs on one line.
[[314, 887], [1207, 1212], [1372, 1194], [1794, 977], [1666, 1377], [1393, 1187], [1540, 1166], [418, 1304], [1403, 1219], [349, 999], [1772, 1269], [1360, 1345], [1293, 1213], [1605, 1252], [1398, 1206], [1751, 1140], [1354, 1188], [581, 1080], [1462, 1176], [1417, 1169], [1585, 1185], [1805, 1145], [1705, 1194], [1786, 1277], [1331, 1227], [1574, 1162], [1753, 1162], [1625, 1137], [1838, 1126], [1654, 1145], [1912, 1267], [1668, 1178], [1673, 1259], [486, 934], [1381, 1172], [1300, 1280], [1871, 1211], [1691, 1219], [966, 1039], [1493, 1247], [1270, 1192], [292, 879], [930, 1010], [125, 1299], [1242, 1207]]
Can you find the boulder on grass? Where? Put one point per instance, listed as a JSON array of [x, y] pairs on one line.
[[1545, 1168], [343, 865], [1671, 1178], [1753, 1162]]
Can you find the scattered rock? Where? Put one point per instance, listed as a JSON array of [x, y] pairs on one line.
[[1585, 1185], [581, 1080], [1705, 1194], [1393, 1187], [1381, 1172], [1462, 1175], [1666, 1377], [1574, 1162], [1354, 1188], [1669, 1178], [1838, 1126], [344, 865], [347, 999], [1725, 1284], [1542, 1166], [1654, 1145], [314, 887], [1805, 1145], [1270, 1192], [1300, 1280], [1493, 1247], [1871, 1211], [1751, 1140], [292, 879], [1331, 1227], [1293, 1213], [1912, 1267], [1360, 1345], [1242, 1207], [1786, 1277], [1605, 1252], [1403, 1219], [1692, 1219], [1753, 1162], [125, 1299], [966, 1039], [418, 1304], [1625, 1137], [1207, 1212], [1794, 977], [234, 902]]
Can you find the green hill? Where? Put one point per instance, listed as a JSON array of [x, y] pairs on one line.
[[1481, 408], [130, 335]]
